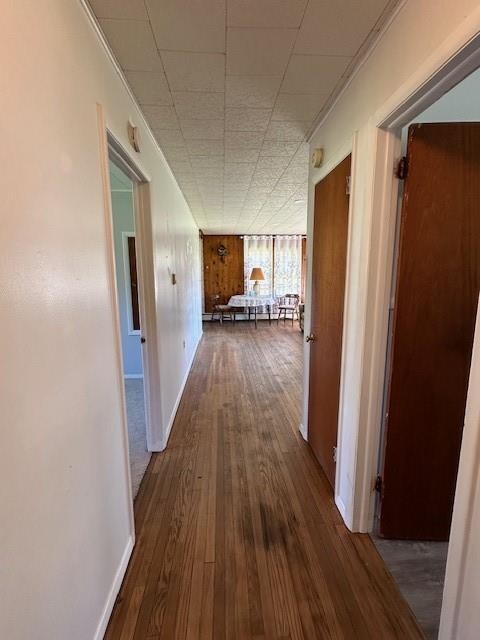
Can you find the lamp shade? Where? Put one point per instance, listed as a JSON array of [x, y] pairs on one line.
[[257, 274]]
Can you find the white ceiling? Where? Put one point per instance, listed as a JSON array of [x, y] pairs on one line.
[[230, 89]]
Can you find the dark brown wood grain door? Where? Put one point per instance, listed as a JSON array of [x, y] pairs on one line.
[[330, 234], [438, 281], [132, 261]]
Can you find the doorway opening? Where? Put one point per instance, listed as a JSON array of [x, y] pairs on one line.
[[127, 285], [434, 295]]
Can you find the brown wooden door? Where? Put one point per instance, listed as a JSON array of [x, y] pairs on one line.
[[132, 260], [438, 282], [329, 263]]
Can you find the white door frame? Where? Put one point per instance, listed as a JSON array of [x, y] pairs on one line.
[[111, 148], [146, 284]]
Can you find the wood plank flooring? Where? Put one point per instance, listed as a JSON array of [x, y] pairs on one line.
[[238, 536]]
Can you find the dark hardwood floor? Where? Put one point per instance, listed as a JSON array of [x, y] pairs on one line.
[[238, 536]]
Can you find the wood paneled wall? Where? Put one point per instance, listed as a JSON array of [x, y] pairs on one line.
[[224, 277]]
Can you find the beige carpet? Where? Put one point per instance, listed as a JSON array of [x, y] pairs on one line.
[[137, 438]]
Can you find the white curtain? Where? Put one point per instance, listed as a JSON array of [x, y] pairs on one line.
[[258, 252], [288, 265]]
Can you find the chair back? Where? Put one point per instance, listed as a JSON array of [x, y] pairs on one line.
[[290, 299]]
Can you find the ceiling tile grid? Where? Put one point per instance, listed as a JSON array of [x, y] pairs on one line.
[[230, 89]]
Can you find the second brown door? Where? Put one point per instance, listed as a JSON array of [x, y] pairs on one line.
[[330, 237]]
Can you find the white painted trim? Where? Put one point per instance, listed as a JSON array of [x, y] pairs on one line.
[[461, 550], [112, 282], [114, 590], [179, 396], [128, 281], [133, 376], [303, 431]]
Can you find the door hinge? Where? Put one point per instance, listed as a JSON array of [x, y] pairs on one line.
[[401, 171], [378, 484], [348, 185], [334, 454]]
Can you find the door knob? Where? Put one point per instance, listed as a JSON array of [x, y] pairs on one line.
[[310, 338], [142, 340]]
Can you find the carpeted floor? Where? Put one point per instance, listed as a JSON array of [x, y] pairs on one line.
[[419, 571], [139, 456]]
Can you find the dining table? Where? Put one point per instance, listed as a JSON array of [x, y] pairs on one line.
[[254, 303]]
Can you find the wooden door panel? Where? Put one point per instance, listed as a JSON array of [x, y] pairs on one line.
[[330, 236], [438, 281]]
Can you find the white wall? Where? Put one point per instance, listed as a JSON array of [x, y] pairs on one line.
[[417, 36], [64, 504]]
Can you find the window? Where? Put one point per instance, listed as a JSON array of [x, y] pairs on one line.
[[258, 252], [287, 265], [280, 259]]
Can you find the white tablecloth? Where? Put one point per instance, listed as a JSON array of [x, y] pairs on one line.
[[252, 301]]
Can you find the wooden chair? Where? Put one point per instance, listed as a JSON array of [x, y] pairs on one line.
[[288, 304], [222, 310]]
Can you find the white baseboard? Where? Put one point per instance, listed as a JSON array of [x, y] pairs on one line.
[[132, 376], [303, 431], [112, 596], [179, 397]]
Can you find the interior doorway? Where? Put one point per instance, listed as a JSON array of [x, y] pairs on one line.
[[434, 302], [129, 312], [329, 264]]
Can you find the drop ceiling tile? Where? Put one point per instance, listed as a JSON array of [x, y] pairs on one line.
[[205, 147], [337, 28], [122, 9], [174, 154], [285, 190], [274, 148], [133, 44], [242, 140], [252, 91], [302, 155], [278, 163], [149, 87], [267, 13], [194, 71], [295, 174], [202, 129], [239, 171], [266, 178], [199, 105], [260, 52], [169, 138], [160, 118], [286, 131], [205, 173], [233, 154], [188, 25], [246, 119], [290, 106], [313, 74], [216, 162]]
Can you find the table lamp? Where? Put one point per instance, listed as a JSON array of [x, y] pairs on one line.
[[257, 274]]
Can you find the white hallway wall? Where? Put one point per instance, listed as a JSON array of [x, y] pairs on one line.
[[65, 497]]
